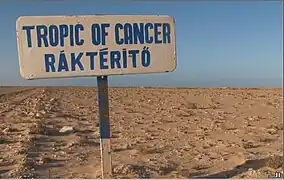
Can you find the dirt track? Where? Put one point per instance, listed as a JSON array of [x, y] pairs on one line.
[[156, 132]]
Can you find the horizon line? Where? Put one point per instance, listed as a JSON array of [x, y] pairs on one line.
[[166, 87]]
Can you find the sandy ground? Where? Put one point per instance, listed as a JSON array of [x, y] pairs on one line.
[[156, 132]]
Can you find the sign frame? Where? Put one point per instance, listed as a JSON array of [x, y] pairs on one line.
[[161, 62]]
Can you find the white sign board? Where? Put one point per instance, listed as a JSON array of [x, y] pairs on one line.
[[97, 45]]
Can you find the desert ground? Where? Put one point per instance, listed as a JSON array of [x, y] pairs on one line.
[[156, 132]]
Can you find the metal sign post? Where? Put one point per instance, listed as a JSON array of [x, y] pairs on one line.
[[104, 126], [96, 45]]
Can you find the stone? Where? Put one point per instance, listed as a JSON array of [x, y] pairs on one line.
[[43, 112], [67, 129], [6, 130], [31, 114], [38, 115]]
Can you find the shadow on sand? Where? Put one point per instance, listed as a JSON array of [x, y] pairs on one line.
[[272, 162]]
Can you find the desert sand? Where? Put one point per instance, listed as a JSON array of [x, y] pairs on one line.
[[156, 132]]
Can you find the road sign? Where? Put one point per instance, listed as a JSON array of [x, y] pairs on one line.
[[98, 45]]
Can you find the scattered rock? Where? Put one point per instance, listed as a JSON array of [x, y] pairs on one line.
[[97, 135], [71, 144], [38, 115], [206, 146], [201, 166], [44, 160], [6, 130], [66, 129], [272, 131], [192, 105], [31, 114], [42, 112], [228, 126], [83, 118], [139, 171], [213, 155]]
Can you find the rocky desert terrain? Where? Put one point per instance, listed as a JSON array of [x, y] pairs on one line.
[[53, 132]]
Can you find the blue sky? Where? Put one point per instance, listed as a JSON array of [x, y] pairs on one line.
[[218, 43]]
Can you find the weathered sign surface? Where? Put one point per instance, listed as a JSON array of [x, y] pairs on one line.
[[95, 45]]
